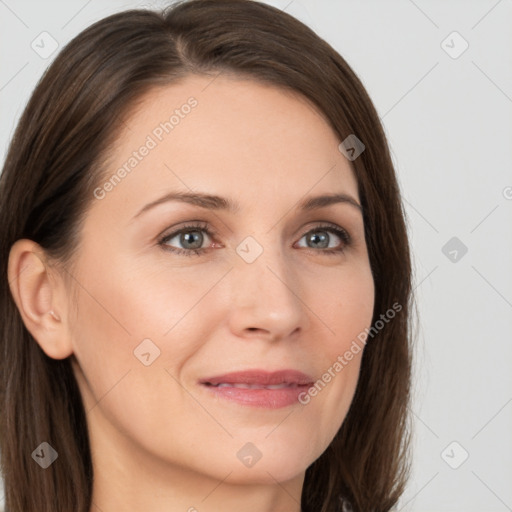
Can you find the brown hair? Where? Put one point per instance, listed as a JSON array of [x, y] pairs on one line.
[[56, 159]]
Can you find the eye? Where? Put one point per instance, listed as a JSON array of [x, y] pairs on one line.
[[330, 239], [190, 240]]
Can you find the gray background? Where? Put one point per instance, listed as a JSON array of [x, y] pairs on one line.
[[449, 123]]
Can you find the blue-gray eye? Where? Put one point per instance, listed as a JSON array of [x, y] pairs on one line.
[[321, 238], [186, 238], [191, 239]]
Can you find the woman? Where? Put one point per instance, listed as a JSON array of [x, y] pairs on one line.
[[268, 371]]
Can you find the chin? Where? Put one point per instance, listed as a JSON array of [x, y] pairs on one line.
[[269, 469], [265, 475]]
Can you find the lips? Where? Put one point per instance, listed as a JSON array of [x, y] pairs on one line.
[[259, 379], [252, 386], [258, 388]]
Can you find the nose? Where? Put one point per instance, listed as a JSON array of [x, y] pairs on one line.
[[266, 298]]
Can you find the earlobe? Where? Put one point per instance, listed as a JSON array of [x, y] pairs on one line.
[[37, 295]]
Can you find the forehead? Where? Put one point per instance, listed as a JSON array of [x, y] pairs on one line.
[[227, 135]]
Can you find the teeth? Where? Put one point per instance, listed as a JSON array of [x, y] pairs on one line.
[[252, 386]]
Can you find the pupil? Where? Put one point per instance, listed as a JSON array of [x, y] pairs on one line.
[[195, 238], [321, 240]]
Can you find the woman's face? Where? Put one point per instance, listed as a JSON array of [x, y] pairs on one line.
[[174, 294]]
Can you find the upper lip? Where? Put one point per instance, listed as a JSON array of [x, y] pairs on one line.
[[260, 377]]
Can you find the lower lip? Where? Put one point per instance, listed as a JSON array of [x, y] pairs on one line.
[[265, 398]]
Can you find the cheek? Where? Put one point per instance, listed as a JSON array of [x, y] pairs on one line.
[[125, 303], [347, 311], [346, 307], [133, 324]]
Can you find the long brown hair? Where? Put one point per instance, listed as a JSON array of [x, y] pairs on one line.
[[55, 161]]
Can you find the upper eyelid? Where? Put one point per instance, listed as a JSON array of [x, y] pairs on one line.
[[188, 227]]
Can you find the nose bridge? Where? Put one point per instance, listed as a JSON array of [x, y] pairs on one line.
[[266, 294], [266, 262]]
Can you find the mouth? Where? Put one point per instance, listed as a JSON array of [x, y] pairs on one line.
[[258, 388], [250, 386]]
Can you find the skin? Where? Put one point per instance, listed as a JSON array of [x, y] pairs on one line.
[[159, 440]]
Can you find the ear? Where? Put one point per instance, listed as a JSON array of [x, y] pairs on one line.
[[41, 298]]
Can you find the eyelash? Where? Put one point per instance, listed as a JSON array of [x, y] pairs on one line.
[[340, 232]]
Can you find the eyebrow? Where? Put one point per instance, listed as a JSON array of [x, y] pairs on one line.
[[214, 202]]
